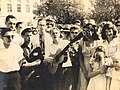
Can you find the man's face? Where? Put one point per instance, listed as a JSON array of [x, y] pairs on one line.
[[55, 34], [11, 23], [20, 27], [74, 33], [42, 26], [8, 37], [28, 37]]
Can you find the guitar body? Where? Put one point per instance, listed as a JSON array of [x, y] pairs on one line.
[[53, 66]]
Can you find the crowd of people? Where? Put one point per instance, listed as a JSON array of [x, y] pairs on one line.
[[83, 55]]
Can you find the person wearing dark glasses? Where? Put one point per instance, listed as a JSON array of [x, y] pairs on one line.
[[10, 60], [10, 23]]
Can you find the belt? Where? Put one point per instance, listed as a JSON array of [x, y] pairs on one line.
[[13, 72]]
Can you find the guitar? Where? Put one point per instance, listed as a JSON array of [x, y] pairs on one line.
[[56, 60]]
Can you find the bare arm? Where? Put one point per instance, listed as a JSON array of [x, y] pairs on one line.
[[92, 73]]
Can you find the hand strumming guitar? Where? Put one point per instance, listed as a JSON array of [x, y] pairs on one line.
[[54, 61]]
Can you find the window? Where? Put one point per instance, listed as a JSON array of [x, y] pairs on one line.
[[19, 0], [9, 0], [18, 7], [27, 8], [27, 1], [9, 7], [0, 7]]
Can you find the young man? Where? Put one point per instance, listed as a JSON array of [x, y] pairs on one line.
[[11, 57], [10, 23], [29, 66], [73, 51], [44, 37], [19, 27]]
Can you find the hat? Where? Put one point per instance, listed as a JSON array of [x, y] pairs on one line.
[[92, 21], [117, 23], [26, 30], [50, 18], [75, 27], [60, 26], [66, 28], [77, 21]]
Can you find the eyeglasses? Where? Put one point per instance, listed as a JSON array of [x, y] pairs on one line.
[[74, 32], [9, 36]]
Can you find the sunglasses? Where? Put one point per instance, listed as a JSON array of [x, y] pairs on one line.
[[9, 36], [74, 32]]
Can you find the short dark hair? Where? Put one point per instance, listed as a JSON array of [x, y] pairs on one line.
[[8, 17], [40, 19], [26, 30], [4, 30], [18, 23]]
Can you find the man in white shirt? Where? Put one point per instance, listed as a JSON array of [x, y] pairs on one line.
[[11, 56]]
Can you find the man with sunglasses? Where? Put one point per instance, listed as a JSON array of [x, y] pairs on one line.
[[10, 23], [10, 60]]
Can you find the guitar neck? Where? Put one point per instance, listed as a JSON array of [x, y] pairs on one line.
[[79, 36]]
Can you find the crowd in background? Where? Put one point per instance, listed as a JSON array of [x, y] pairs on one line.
[[83, 55]]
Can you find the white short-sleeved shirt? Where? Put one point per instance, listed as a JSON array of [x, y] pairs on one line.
[[10, 57]]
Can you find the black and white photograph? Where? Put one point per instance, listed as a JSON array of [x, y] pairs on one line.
[[59, 44]]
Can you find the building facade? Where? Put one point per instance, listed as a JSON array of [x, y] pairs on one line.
[[21, 9]]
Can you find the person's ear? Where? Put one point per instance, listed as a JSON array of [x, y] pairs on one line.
[[5, 23]]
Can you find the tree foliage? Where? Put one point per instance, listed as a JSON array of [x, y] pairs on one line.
[[106, 10], [66, 12]]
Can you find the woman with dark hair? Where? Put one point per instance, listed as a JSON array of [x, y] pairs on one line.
[[107, 28], [109, 34], [86, 49]]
